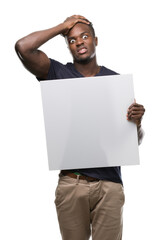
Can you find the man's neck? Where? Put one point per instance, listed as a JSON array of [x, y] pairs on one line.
[[87, 69]]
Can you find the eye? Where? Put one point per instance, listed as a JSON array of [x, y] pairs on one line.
[[85, 37], [71, 41]]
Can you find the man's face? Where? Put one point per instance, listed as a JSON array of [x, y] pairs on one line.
[[82, 43]]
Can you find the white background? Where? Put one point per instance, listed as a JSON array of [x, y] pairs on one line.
[[128, 43]]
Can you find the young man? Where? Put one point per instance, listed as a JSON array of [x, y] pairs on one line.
[[86, 199]]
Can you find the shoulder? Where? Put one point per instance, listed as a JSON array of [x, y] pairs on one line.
[[107, 71], [58, 70], [56, 65]]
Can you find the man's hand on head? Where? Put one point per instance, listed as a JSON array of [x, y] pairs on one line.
[[70, 22], [135, 113]]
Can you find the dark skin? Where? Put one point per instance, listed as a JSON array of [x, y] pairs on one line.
[[32, 58], [82, 45], [135, 113]]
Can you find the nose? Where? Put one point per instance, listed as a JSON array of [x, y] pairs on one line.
[[79, 41]]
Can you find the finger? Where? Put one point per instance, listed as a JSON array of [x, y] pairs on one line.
[[135, 109], [80, 20], [135, 105], [76, 17], [80, 17], [135, 118], [135, 113]]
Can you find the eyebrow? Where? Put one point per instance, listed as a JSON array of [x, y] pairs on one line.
[[80, 35]]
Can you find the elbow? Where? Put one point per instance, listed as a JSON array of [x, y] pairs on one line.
[[19, 47]]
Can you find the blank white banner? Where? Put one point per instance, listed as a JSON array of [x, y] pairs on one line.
[[85, 122]]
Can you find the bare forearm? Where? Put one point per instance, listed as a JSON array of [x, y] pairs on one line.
[[34, 40]]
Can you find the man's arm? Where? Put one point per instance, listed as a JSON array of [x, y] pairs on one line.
[[135, 114], [35, 60]]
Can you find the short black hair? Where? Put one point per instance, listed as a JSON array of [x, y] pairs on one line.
[[92, 29]]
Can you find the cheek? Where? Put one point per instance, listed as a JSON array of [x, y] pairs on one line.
[[71, 49], [93, 47]]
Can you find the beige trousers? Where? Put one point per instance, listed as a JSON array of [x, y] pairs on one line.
[[87, 209]]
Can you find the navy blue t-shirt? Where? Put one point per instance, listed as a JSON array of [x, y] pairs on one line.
[[60, 71]]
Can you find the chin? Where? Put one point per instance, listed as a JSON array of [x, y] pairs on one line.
[[83, 60]]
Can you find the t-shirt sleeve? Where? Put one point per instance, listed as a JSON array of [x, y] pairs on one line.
[[54, 68], [51, 72]]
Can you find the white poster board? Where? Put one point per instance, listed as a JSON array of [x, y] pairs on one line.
[[85, 122]]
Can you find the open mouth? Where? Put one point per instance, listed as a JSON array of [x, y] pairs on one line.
[[82, 50]]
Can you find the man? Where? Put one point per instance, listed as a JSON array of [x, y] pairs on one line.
[[86, 199]]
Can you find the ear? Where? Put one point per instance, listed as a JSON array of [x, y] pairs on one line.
[[96, 41]]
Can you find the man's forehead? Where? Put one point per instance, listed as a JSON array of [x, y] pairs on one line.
[[79, 29]]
